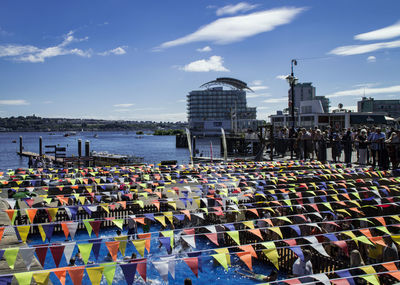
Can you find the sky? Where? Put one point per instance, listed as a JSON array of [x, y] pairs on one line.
[[137, 60]]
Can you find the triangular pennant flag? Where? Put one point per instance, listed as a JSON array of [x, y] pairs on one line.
[[65, 229], [277, 230], [27, 254], [48, 230], [189, 239], [68, 250], [142, 267], [221, 258], [12, 214], [213, 237], [23, 232], [235, 236], [256, 232], [140, 246], [248, 248], [129, 270], [109, 272], [31, 214], [95, 274], [1, 232], [85, 250], [10, 254], [61, 274], [88, 226], [246, 258], [373, 279], [161, 219], [57, 251], [52, 212], [119, 223], [193, 264], [72, 227], [41, 252], [95, 226], [169, 234], [162, 268], [147, 237], [112, 247], [273, 256], [393, 270], [76, 274], [24, 278], [122, 243], [42, 278]]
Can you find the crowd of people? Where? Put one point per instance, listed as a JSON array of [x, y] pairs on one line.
[[373, 146]]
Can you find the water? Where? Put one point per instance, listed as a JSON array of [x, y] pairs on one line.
[[153, 149]]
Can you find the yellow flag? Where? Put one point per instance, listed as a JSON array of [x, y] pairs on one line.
[[161, 219], [221, 258], [140, 246], [122, 243], [95, 274], [235, 236], [23, 278], [276, 230], [169, 216], [41, 278], [249, 224], [226, 251], [273, 256], [23, 232]]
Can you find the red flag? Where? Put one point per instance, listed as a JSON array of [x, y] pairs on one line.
[[95, 226], [193, 264], [76, 274], [213, 237], [41, 252], [57, 251]]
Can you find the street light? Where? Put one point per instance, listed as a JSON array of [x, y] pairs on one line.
[[292, 80]]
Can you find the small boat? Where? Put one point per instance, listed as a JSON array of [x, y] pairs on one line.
[[96, 136], [14, 141], [70, 134], [105, 158]]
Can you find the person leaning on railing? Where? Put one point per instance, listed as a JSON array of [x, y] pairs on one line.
[[393, 148]]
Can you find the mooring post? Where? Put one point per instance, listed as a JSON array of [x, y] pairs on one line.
[[40, 146], [21, 148], [79, 147], [87, 148]]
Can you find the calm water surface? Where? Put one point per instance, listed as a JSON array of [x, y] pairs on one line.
[[153, 149]]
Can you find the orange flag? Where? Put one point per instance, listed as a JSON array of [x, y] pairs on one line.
[[256, 232], [246, 258], [1, 232], [113, 247], [187, 213], [381, 220], [61, 273], [253, 211], [31, 214], [140, 220], [147, 237], [157, 204], [65, 228], [248, 248], [390, 266]]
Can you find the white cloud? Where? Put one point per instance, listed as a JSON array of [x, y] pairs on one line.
[[258, 87], [124, 105], [256, 82], [181, 101], [361, 49], [204, 49], [366, 91], [371, 58], [117, 51], [29, 53], [281, 77], [15, 102], [234, 29], [388, 32], [233, 9], [276, 100], [214, 63], [48, 102]]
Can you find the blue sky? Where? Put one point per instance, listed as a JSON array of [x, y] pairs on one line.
[[137, 60]]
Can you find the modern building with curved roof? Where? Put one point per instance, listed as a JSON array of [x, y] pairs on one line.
[[214, 107]]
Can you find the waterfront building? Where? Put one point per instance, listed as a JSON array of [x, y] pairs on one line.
[[214, 107], [306, 92], [391, 107]]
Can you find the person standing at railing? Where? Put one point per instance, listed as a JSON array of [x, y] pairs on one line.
[[362, 147], [320, 145], [336, 146], [377, 145], [393, 147], [347, 146]]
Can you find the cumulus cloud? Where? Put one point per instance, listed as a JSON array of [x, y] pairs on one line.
[[29, 53], [204, 49], [214, 63], [256, 82], [276, 100], [258, 87], [15, 102], [388, 32], [233, 9], [124, 105], [371, 58], [117, 51], [281, 77], [255, 95], [233, 29], [367, 91], [361, 49]]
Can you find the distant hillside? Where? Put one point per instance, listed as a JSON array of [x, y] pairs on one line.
[[34, 123]]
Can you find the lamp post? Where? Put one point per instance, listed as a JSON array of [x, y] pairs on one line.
[[292, 80]]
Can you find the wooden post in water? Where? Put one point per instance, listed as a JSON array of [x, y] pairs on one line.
[[87, 151], [40, 146], [79, 147], [21, 148]]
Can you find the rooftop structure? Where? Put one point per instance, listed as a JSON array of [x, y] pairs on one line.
[[391, 107], [306, 92]]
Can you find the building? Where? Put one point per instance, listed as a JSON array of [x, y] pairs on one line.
[[306, 92], [391, 107], [214, 108]]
